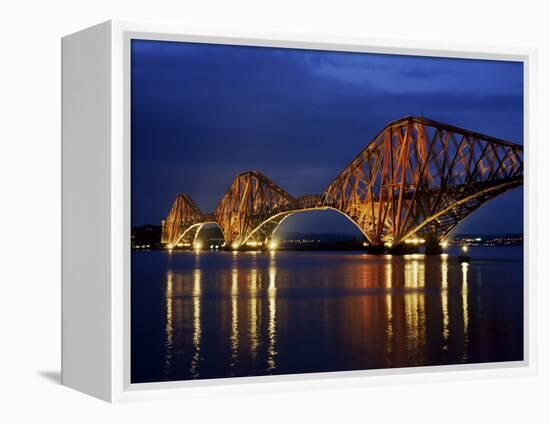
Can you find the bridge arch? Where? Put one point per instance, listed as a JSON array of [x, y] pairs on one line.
[[190, 235], [467, 204], [267, 235]]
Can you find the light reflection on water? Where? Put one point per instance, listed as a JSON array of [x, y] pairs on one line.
[[197, 331], [464, 267], [207, 315], [234, 317], [444, 301], [272, 326]]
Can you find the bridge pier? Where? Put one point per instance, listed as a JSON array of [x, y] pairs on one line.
[[376, 249], [433, 248], [433, 245], [402, 249]]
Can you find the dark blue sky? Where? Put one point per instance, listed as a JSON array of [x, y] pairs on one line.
[[203, 113]]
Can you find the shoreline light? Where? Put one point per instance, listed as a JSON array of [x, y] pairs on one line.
[[415, 241]]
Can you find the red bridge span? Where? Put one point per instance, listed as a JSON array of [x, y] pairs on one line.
[[417, 179]]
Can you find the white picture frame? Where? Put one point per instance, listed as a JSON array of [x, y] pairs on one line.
[[96, 213]]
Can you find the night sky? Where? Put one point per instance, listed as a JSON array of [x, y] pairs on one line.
[[203, 113]]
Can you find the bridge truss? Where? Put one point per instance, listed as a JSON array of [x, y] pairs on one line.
[[416, 178]]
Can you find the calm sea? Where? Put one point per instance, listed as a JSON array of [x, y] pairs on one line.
[[222, 314]]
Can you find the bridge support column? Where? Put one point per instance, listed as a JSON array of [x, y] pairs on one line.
[[375, 249], [401, 249], [433, 246]]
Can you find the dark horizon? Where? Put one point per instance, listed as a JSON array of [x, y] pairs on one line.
[[199, 112]]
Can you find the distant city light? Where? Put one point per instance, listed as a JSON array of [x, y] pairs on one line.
[[465, 248], [273, 245], [444, 244], [197, 246], [235, 245], [486, 241]]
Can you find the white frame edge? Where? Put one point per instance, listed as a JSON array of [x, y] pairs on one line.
[[119, 260]]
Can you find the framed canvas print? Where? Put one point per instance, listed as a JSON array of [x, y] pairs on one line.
[[265, 211]]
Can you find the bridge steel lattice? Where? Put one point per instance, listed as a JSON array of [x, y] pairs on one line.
[[416, 178]]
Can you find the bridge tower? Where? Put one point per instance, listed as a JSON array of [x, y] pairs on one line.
[[182, 223], [419, 178], [251, 209]]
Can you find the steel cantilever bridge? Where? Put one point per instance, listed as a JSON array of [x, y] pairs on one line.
[[416, 179]]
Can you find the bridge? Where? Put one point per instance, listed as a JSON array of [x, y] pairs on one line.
[[416, 180]]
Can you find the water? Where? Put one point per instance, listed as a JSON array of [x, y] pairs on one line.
[[222, 314]]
